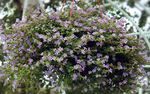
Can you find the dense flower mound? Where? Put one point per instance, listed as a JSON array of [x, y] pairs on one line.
[[87, 52]]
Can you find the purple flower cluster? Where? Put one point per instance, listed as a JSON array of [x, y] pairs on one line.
[[87, 48]]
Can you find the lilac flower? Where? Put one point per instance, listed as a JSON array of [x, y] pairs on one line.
[[116, 76], [76, 67], [80, 11], [125, 74], [74, 76], [71, 52], [39, 44], [90, 10], [113, 18], [120, 23], [21, 48], [60, 49], [56, 52], [83, 51], [104, 83], [30, 60], [54, 29], [120, 83], [106, 57], [133, 75], [59, 21], [94, 27], [94, 70], [22, 33], [28, 41], [109, 81], [103, 21], [66, 23], [82, 64], [64, 55], [124, 41], [119, 66], [106, 65], [110, 70], [112, 30], [86, 28], [48, 72], [95, 33], [103, 61], [131, 72], [102, 30], [99, 43], [41, 36], [3, 38], [120, 35], [54, 16], [60, 59], [126, 47], [79, 61], [94, 22], [89, 72], [148, 73], [1, 74], [89, 56], [124, 81], [50, 58], [99, 55], [78, 24], [1, 27]]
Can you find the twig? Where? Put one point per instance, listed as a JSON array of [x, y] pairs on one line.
[[137, 33], [100, 7]]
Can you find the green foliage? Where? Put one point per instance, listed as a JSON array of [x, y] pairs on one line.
[[87, 52]]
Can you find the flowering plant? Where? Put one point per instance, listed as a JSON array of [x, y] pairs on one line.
[[88, 52]]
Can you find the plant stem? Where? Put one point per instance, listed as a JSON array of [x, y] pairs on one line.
[[25, 5], [137, 33], [71, 8]]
